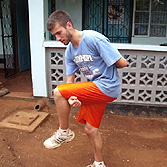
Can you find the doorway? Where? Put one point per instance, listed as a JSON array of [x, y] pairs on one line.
[[23, 43], [14, 36]]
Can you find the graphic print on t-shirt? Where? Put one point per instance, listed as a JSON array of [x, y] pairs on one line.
[[83, 62]]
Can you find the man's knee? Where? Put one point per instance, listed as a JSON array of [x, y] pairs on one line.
[[57, 94], [90, 130]]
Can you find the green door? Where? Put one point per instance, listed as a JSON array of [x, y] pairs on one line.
[[113, 18], [23, 45]]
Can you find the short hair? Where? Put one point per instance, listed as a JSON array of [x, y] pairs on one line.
[[60, 17]]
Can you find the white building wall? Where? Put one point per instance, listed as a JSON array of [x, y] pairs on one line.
[[38, 67], [148, 40]]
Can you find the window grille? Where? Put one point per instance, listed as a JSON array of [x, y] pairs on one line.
[[150, 18]]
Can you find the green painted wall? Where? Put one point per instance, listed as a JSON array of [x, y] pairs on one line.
[[74, 8]]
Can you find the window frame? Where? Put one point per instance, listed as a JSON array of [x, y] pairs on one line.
[[149, 22]]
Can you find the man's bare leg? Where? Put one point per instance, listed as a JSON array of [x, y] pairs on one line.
[[63, 109], [96, 141], [64, 134]]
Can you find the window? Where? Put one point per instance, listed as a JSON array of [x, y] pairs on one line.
[[150, 18]]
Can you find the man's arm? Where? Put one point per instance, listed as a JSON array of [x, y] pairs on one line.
[[121, 63], [70, 78], [73, 100]]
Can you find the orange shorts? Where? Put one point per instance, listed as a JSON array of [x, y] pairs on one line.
[[93, 101]]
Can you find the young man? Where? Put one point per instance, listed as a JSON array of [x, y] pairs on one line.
[[92, 54]]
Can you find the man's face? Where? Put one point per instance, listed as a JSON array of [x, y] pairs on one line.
[[62, 34]]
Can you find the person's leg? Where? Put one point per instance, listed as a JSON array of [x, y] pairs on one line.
[[64, 134], [63, 109], [95, 140]]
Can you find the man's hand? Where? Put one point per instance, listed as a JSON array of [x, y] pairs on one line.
[[74, 102]]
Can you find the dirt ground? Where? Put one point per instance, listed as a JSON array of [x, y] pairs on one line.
[[128, 141]]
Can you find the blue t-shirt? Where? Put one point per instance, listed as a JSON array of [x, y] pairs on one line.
[[95, 58]]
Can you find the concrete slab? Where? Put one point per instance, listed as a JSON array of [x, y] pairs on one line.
[[23, 118], [27, 120]]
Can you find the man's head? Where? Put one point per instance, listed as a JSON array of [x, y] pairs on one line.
[[60, 25], [60, 17]]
